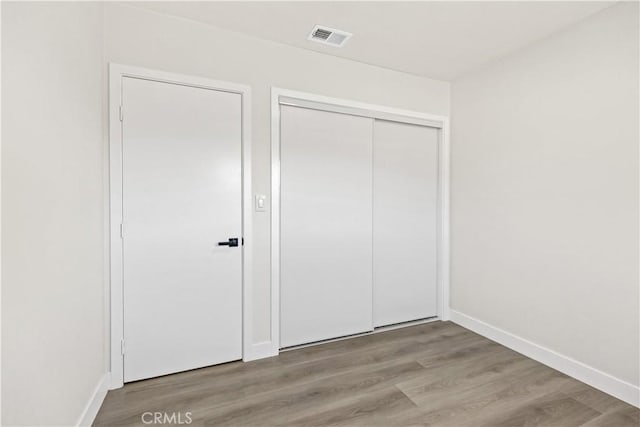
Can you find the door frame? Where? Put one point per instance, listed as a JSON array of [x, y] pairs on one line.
[[344, 106], [116, 313]]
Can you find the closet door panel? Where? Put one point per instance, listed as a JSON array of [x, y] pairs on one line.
[[405, 179], [326, 225]]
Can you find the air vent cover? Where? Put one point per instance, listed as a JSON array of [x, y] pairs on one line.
[[329, 36]]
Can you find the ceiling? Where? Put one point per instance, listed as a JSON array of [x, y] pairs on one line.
[[441, 40]]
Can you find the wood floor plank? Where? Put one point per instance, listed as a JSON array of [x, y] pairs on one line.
[[593, 398], [376, 408], [431, 387], [296, 402], [620, 415], [549, 410], [431, 374]]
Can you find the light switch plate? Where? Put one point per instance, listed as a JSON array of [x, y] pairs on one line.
[[261, 203]]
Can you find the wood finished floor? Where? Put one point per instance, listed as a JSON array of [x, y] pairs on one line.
[[432, 374]]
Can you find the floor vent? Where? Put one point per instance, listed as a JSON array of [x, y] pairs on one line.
[[329, 36]]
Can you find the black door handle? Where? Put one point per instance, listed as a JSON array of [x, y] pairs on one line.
[[233, 241]]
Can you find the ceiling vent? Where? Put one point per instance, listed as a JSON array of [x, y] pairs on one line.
[[329, 36]]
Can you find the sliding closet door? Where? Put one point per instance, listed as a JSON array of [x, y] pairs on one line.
[[405, 171], [326, 236]]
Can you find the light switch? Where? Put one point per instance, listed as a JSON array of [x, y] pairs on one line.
[[261, 203]]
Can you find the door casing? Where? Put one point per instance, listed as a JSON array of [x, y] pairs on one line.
[[114, 218]]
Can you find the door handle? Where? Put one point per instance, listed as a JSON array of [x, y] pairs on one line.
[[232, 242]]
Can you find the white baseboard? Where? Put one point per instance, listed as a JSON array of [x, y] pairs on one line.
[[261, 351], [578, 370], [93, 406]]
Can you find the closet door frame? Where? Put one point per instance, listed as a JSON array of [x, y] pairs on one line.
[[113, 231], [280, 97]]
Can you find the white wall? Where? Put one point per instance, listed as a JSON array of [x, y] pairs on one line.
[[545, 193], [139, 37], [53, 351], [54, 59]]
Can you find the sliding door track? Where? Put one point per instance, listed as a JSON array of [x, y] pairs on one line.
[[361, 334]]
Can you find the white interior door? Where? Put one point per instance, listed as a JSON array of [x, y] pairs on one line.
[[405, 182], [325, 249], [181, 196]]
